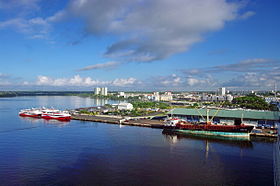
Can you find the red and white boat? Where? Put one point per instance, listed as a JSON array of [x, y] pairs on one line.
[[46, 114], [56, 114], [34, 113]]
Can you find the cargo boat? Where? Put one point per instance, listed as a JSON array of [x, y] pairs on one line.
[[181, 126]]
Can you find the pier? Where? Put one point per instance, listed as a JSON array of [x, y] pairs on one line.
[[142, 122]]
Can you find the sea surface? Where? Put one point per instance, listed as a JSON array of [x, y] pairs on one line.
[[40, 152]]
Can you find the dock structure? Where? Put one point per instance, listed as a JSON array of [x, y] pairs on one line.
[[122, 121]]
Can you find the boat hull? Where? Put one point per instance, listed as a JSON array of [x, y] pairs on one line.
[[57, 118], [215, 133], [231, 131], [30, 115]]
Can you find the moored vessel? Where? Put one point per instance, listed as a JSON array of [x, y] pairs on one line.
[[46, 114], [207, 128], [58, 115], [34, 112]]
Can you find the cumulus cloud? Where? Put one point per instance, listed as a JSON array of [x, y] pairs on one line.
[[84, 82], [107, 65], [168, 81], [123, 82], [151, 30], [254, 80], [256, 73]]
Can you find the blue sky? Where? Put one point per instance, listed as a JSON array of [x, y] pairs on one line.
[[139, 45]]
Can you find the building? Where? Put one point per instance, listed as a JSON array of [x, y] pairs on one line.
[[101, 91], [156, 96], [216, 98], [125, 106], [121, 94], [97, 90], [222, 91], [231, 117], [104, 91], [167, 96]]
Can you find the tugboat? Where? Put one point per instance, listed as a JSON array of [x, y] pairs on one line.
[[209, 129]]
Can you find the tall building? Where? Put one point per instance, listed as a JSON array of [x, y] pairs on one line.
[[101, 91], [104, 91], [97, 90], [222, 91]]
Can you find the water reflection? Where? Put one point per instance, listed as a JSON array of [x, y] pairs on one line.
[[175, 138], [209, 142], [45, 121]]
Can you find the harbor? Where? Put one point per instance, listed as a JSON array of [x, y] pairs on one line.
[[144, 122], [89, 145]]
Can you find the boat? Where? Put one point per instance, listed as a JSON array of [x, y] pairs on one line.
[[209, 129], [46, 114], [34, 112], [58, 115]]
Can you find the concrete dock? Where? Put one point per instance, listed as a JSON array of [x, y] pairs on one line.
[[116, 120]]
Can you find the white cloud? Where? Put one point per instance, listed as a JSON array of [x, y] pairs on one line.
[[86, 82], [107, 65], [152, 30], [124, 82], [35, 27]]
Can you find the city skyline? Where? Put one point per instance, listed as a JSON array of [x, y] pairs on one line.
[[139, 45]]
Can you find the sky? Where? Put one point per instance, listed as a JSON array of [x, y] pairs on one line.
[[139, 45]]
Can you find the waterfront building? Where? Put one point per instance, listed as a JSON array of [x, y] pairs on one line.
[[104, 91], [101, 91], [222, 91], [125, 106], [230, 117], [97, 90]]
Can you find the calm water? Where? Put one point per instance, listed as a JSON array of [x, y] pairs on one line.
[[37, 152]]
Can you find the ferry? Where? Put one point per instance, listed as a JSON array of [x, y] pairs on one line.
[[58, 115], [46, 114], [34, 112]]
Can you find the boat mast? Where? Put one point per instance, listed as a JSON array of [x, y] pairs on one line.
[[207, 117]]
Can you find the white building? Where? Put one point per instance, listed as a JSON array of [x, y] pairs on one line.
[[125, 106], [104, 91], [101, 91], [222, 91], [167, 96], [156, 96], [215, 98], [121, 94], [97, 90]]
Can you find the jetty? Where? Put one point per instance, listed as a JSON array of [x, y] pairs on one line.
[[137, 121]]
